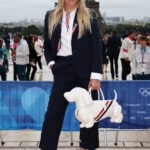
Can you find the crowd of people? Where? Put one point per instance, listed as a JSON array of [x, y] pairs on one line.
[[133, 50], [134, 53], [26, 52]]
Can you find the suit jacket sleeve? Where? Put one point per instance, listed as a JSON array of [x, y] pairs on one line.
[[47, 41], [96, 46]]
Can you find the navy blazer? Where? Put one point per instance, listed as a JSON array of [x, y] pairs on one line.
[[86, 51]]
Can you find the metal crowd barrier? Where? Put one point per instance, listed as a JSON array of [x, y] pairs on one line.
[[23, 105]]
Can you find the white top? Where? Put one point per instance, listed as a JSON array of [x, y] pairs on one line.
[[38, 45], [22, 53], [66, 37], [141, 61], [127, 48]]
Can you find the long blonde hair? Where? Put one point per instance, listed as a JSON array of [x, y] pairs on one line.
[[83, 18]]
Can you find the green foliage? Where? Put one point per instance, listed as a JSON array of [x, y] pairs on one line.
[[147, 25], [119, 28], [30, 30], [23, 30], [124, 28]]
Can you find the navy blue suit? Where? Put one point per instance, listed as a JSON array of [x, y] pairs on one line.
[[69, 72]]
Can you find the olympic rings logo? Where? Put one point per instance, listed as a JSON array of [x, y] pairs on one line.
[[144, 92]]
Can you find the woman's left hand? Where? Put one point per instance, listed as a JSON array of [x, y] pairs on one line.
[[94, 84]]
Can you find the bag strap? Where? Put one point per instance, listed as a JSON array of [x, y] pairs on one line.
[[99, 91]]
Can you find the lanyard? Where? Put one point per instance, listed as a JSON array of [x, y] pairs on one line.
[[143, 51], [67, 20], [19, 43]]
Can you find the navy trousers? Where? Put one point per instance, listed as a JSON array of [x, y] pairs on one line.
[[65, 79], [21, 72], [3, 74], [112, 60]]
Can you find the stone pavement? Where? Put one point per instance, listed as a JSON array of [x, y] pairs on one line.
[[29, 139]]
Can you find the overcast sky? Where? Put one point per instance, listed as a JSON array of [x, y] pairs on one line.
[[14, 10]]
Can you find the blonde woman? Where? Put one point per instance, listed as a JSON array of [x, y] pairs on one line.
[[73, 53]]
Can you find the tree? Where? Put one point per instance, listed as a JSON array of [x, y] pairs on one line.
[[31, 30], [147, 25], [124, 28]]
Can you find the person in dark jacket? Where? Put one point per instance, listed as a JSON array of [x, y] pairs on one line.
[[114, 44], [7, 42], [104, 52], [72, 48], [32, 59]]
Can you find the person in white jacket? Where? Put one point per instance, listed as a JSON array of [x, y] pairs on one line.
[[126, 54], [22, 56], [141, 61], [38, 45]]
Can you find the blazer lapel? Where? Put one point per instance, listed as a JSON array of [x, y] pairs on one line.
[[58, 29], [75, 24]]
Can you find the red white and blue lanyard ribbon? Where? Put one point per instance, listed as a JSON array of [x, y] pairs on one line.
[[67, 20], [143, 51]]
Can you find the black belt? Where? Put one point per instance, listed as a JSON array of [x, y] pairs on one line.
[[64, 57]]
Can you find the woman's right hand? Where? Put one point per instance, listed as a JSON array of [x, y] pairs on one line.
[[51, 66]]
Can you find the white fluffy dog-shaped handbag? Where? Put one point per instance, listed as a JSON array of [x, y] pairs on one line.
[[89, 112]]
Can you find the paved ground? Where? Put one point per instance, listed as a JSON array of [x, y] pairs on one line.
[[27, 140]]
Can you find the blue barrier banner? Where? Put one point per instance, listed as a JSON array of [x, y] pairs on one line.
[[23, 105]]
